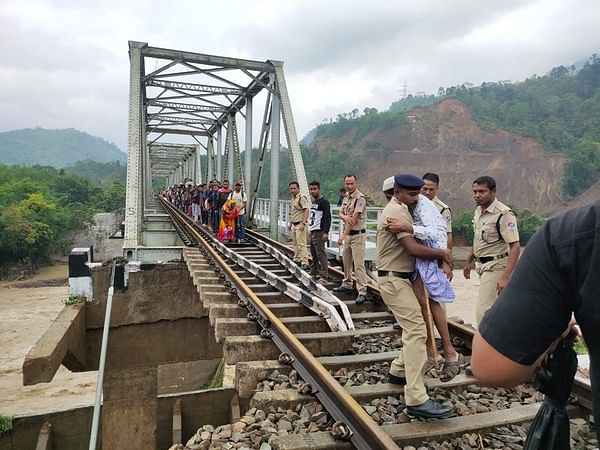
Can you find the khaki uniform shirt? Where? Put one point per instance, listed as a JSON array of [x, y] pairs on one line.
[[391, 254], [299, 204], [445, 212], [355, 202], [486, 241]]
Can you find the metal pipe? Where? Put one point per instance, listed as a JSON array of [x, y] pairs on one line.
[[100, 379]]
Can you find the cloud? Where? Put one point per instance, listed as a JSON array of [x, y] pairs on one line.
[[65, 64]]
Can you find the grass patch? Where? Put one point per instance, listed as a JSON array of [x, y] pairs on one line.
[[580, 347], [217, 379], [5, 425], [74, 299]]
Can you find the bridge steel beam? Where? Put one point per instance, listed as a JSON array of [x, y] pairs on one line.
[[133, 201], [190, 98], [274, 189], [248, 150]]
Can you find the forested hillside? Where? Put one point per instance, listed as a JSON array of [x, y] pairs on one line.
[[560, 109], [99, 173], [41, 208], [56, 148]]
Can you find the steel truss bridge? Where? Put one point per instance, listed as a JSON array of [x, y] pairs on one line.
[[183, 112]]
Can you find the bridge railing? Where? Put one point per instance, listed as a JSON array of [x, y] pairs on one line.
[[261, 222]]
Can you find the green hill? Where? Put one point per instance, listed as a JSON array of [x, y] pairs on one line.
[[56, 148]]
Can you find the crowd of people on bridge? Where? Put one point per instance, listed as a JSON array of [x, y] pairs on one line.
[[216, 205]]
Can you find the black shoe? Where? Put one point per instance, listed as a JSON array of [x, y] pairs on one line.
[[360, 299], [343, 290], [430, 410], [394, 379], [396, 326]]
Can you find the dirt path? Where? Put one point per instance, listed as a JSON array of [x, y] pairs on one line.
[[27, 307]]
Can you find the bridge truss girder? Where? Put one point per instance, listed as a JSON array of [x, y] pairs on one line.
[[183, 103]]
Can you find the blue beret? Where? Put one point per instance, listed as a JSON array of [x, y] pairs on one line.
[[408, 181]]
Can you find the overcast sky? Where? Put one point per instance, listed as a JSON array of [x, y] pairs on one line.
[[64, 64]]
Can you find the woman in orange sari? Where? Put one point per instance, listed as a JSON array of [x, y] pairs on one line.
[[227, 224]]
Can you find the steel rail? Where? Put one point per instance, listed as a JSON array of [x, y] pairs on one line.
[[305, 279], [316, 304], [581, 386], [353, 423], [463, 332]]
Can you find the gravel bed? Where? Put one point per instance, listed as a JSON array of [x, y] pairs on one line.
[[375, 343], [471, 400], [362, 324], [512, 437], [257, 428], [373, 374]]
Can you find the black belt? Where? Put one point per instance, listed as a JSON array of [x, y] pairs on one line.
[[485, 259], [295, 223], [353, 232], [391, 273]]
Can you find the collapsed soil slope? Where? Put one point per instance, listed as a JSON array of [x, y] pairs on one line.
[[444, 139]]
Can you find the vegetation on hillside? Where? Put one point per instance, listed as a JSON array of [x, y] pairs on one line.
[[56, 148], [42, 207], [560, 109], [99, 173], [328, 167], [413, 101], [360, 124], [528, 223]]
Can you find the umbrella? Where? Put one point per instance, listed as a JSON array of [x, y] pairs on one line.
[[550, 429]]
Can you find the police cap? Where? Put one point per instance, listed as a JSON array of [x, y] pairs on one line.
[[408, 181]]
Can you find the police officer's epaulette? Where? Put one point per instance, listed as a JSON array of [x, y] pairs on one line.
[[503, 210]]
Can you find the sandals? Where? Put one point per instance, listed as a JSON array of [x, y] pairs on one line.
[[449, 370]]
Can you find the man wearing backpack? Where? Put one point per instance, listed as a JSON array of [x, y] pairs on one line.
[[496, 245]]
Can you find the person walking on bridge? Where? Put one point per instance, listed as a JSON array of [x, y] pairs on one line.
[[319, 224], [496, 245], [353, 214], [297, 225]]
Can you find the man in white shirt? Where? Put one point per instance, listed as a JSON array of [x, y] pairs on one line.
[[241, 200]]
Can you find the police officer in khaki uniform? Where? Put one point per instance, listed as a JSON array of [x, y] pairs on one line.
[[431, 186], [353, 214], [496, 245], [396, 254], [297, 224]]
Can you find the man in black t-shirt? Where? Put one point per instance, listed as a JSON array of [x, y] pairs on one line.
[[558, 275], [319, 222]]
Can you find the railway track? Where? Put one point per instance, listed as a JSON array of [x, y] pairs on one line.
[[310, 369]]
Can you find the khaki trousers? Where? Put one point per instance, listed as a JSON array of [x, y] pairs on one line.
[[400, 298], [354, 253], [300, 251], [487, 295]]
